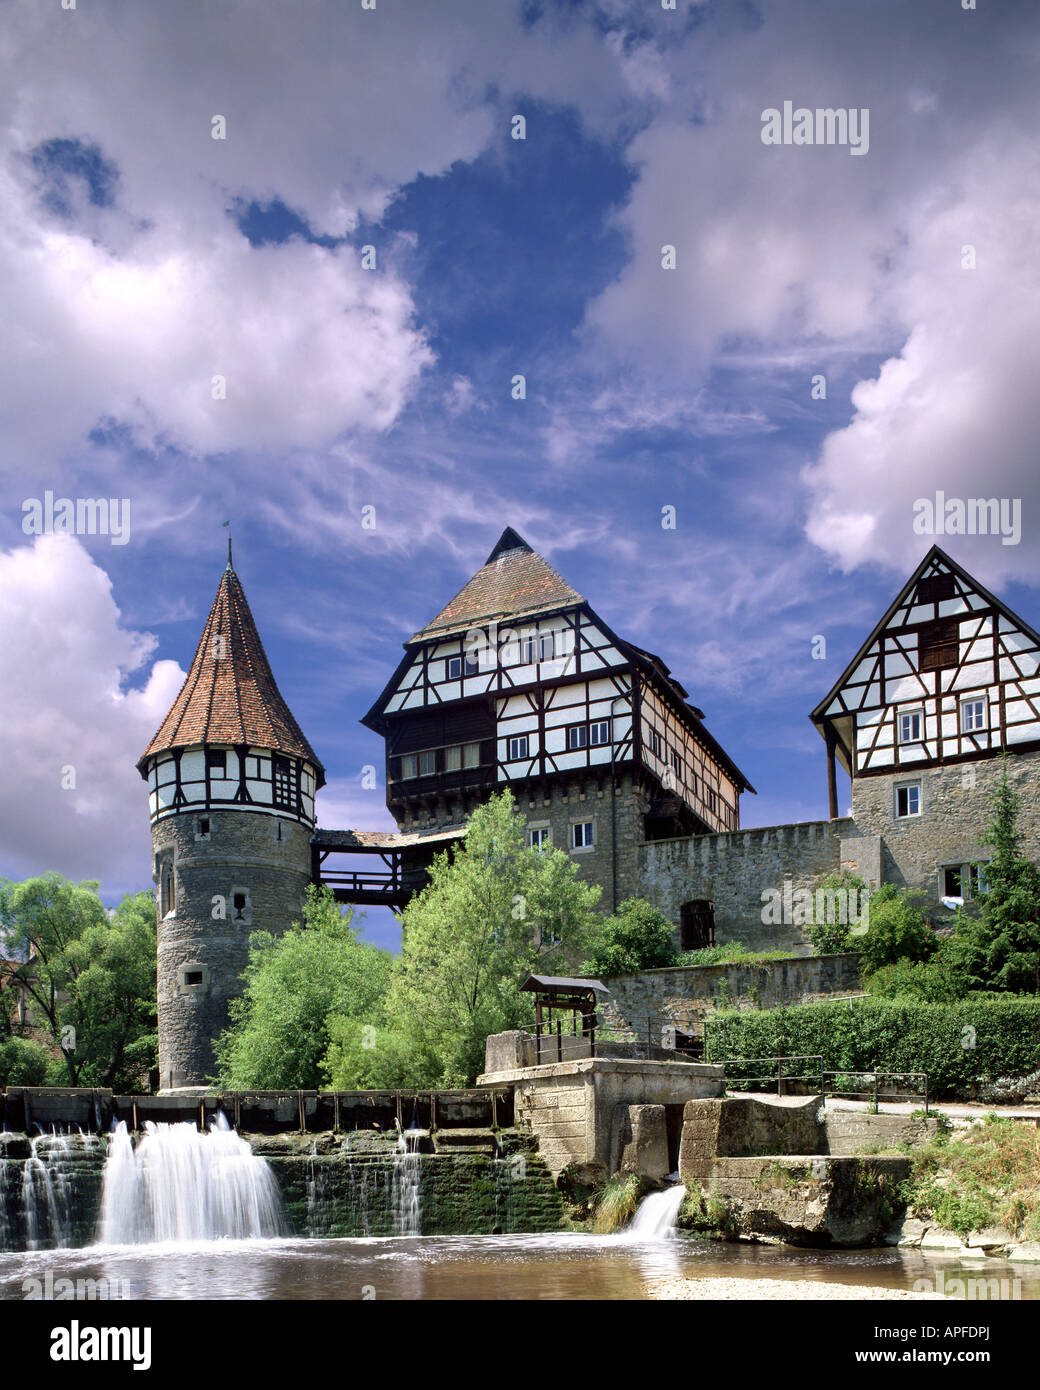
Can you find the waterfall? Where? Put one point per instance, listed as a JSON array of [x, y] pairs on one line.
[[656, 1215], [36, 1206], [182, 1185], [407, 1174]]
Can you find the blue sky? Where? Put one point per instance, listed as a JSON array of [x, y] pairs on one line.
[[143, 258]]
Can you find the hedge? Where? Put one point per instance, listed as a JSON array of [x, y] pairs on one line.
[[959, 1045]]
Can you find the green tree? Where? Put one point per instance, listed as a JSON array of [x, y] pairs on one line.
[[89, 977], [497, 912], [828, 934], [1001, 948], [367, 1057], [897, 929], [637, 937], [293, 986]]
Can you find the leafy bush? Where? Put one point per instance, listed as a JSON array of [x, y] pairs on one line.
[[960, 1044], [836, 937], [23, 1063], [897, 929], [939, 980], [637, 937]]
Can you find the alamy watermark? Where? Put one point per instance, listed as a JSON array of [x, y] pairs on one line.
[[969, 516], [805, 907], [82, 1290], [828, 125], [77, 516]]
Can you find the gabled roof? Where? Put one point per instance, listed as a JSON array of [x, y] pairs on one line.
[[514, 581], [230, 695], [937, 560]]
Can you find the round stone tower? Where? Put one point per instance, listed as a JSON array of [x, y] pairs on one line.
[[231, 782]]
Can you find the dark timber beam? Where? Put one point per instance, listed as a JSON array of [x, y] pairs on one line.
[[832, 780]]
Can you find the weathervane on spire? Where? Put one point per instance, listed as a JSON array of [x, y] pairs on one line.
[[229, 564]]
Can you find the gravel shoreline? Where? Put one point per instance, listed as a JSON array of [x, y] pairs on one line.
[[794, 1289]]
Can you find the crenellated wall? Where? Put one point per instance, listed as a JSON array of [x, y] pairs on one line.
[[734, 869]]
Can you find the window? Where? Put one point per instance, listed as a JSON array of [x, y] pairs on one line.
[[697, 924], [545, 647], [216, 762], [518, 747], [472, 663], [471, 755], [453, 758], [526, 651], [677, 764], [973, 716], [284, 782], [167, 890], [935, 588], [910, 725], [427, 763], [538, 836], [977, 882], [193, 977], [454, 668], [409, 765], [202, 832], [938, 645], [577, 736], [908, 800], [238, 901], [599, 732], [952, 881], [252, 767], [653, 740], [582, 834]]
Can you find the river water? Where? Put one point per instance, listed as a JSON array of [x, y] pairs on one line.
[[467, 1267]]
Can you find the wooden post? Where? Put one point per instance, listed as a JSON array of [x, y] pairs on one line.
[[779, 1076], [335, 1112], [202, 1117], [494, 1109], [134, 1114], [832, 784], [433, 1110]]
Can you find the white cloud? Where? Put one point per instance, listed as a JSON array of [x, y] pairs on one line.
[[66, 705]]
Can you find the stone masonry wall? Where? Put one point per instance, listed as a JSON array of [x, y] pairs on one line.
[[242, 854], [735, 868], [686, 994], [955, 811]]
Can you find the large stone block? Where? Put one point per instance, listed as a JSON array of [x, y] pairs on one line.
[[644, 1141]]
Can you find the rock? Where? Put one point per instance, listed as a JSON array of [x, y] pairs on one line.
[[989, 1238], [911, 1233], [645, 1142], [1025, 1250], [937, 1239]]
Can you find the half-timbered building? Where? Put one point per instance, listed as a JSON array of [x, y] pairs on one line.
[[947, 682], [519, 683]]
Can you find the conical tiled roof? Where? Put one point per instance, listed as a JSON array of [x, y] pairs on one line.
[[515, 580], [230, 695]]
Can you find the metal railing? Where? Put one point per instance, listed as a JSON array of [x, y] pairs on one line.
[[877, 1083]]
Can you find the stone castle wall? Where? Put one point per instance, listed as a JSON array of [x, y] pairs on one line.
[[735, 868], [685, 995], [242, 855]]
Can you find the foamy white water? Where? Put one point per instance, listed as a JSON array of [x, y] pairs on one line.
[[656, 1215], [180, 1185]]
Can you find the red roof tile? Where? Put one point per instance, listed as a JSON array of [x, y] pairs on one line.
[[515, 581], [230, 695]]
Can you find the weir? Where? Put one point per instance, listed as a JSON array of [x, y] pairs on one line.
[[175, 1182]]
